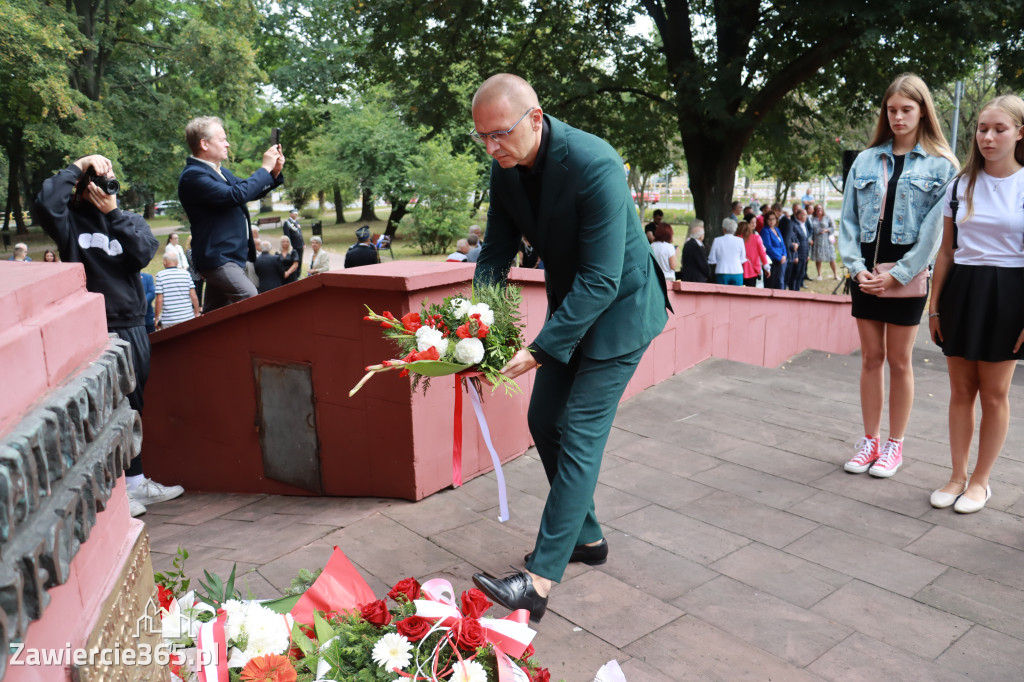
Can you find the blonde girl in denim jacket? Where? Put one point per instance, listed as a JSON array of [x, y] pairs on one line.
[[892, 214]]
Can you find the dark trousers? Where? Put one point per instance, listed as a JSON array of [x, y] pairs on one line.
[[571, 412], [225, 285], [139, 342], [795, 273], [775, 280]]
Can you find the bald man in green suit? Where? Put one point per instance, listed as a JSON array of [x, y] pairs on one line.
[[565, 191]]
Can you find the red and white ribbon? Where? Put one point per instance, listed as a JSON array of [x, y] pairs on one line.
[[212, 654]]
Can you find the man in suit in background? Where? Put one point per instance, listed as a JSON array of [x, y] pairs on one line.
[[799, 250], [695, 259], [215, 202], [564, 190]]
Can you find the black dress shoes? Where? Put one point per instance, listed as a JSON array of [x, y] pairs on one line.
[[513, 592], [591, 555]]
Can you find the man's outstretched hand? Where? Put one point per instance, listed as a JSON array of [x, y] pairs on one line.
[[522, 362]]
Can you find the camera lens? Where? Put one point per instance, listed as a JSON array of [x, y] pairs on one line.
[[108, 185]]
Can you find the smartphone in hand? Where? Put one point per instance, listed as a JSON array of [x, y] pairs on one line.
[[275, 137]]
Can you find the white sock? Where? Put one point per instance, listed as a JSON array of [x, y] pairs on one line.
[[134, 482]]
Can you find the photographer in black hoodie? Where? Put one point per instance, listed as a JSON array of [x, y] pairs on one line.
[[79, 212]]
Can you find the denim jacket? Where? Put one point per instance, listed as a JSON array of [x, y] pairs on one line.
[[917, 213]]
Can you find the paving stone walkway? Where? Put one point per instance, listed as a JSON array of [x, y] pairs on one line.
[[740, 549]]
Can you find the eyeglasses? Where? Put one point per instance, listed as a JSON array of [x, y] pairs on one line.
[[501, 135]]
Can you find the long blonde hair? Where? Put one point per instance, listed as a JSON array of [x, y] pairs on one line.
[[1012, 106], [929, 133]]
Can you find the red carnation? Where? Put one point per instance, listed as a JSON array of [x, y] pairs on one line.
[[414, 628], [530, 651], [540, 675], [409, 587], [469, 634], [475, 603], [164, 596], [376, 613], [411, 322]]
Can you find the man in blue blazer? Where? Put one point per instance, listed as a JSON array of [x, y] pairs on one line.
[[565, 191], [215, 202]]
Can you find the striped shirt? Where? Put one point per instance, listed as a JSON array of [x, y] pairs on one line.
[[174, 284]]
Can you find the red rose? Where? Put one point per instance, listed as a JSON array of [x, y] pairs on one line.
[[469, 634], [530, 651], [411, 322], [164, 596], [475, 603], [408, 587], [540, 675], [414, 628], [376, 612]]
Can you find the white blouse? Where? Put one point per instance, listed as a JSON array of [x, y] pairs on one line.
[[994, 234]]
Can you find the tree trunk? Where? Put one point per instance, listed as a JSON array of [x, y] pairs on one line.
[[367, 215], [266, 204], [398, 211], [16, 162], [479, 196], [712, 169], [339, 206]]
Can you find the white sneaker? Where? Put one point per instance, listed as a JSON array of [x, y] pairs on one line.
[[151, 492], [135, 508]]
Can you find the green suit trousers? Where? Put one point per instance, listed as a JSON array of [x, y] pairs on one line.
[[571, 412]]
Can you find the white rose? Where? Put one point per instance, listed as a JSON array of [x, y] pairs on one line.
[[459, 307], [427, 337], [469, 351], [485, 312]]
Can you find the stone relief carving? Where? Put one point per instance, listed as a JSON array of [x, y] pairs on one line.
[[58, 467]]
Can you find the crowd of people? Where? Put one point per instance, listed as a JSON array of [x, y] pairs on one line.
[[773, 247]]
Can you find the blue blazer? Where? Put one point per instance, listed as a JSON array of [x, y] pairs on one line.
[[606, 293], [773, 244], [220, 225]]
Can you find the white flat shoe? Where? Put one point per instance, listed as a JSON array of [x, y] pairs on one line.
[[965, 505], [941, 500]]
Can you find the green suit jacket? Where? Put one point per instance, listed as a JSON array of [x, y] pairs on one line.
[[606, 293]]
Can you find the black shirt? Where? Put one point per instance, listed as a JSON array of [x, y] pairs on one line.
[[531, 177], [887, 251]]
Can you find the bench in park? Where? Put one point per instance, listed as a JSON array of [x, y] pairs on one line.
[[272, 221]]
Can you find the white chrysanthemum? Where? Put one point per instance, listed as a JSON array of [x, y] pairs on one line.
[[393, 652], [460, 307], [264, 631], [469, 351], [468, 671], [486, 314], [427, 337]]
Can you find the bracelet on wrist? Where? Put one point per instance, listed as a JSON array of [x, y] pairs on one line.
[[931, 315]]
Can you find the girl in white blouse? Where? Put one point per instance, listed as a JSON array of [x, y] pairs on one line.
[[975, 312]]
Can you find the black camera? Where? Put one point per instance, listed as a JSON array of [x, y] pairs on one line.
[[108, 185]]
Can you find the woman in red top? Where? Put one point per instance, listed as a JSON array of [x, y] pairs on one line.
[[757, 258]]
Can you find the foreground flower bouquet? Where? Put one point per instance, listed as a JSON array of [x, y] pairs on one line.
[[336, 629], [460, 334]]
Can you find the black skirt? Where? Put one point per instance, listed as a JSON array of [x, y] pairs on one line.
[[980, 312], [902, 311]]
